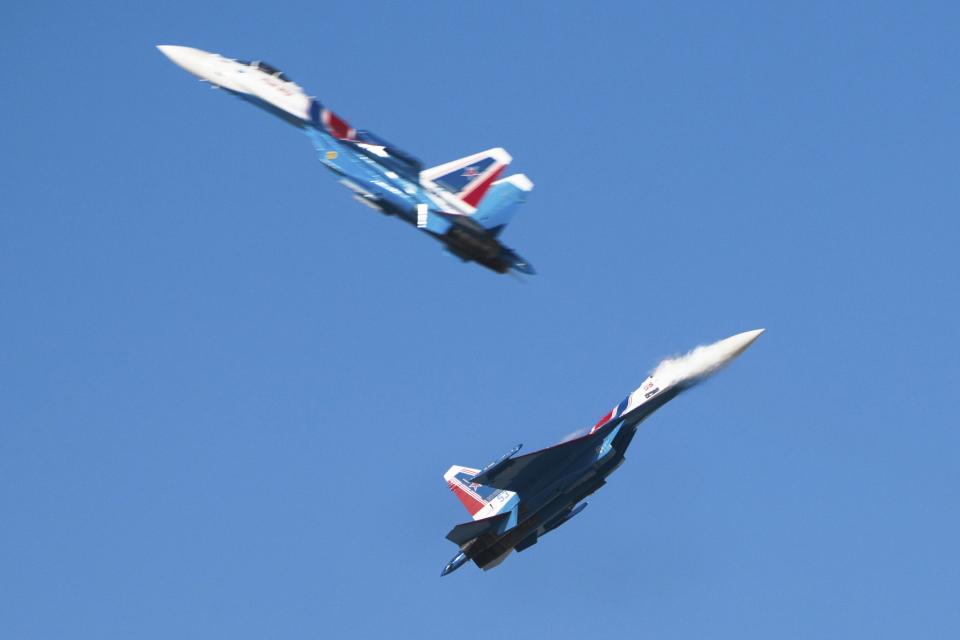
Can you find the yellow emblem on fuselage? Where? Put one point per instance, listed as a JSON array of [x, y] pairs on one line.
[[331, 155]]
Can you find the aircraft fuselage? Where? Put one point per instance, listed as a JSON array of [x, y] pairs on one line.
[[546, 487], [558, 498], [381, 176]]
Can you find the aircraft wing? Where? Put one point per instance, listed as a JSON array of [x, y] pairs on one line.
[[464, 533], [524, 472]]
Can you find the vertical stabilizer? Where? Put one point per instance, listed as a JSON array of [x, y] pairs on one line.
[[470, 178], [480, 501]]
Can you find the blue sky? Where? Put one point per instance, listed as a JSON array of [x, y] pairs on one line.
[[229, 393]]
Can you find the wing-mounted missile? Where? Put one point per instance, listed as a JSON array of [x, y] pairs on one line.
[[491, 469]]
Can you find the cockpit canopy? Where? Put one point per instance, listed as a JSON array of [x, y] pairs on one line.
[[267, 68]]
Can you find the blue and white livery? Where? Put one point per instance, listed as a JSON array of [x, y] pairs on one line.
[[465, 203], [518, 499]]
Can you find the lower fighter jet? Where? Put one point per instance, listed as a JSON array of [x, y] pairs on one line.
[[465, 204], [517, 499]]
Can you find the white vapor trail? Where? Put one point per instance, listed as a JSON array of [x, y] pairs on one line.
[[683, 371], [695, 366]]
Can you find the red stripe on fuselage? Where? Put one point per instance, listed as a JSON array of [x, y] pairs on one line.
[[337, 126], [604, 420]]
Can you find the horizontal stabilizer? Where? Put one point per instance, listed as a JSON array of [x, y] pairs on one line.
[[464, 533], [502, 202]]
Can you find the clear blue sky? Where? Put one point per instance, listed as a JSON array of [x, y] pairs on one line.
[[228, 393]]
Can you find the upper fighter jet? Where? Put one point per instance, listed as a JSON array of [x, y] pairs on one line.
[[465, 203], [515, 500]]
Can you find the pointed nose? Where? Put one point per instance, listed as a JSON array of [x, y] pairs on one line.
[[740, 342], [187, 58]]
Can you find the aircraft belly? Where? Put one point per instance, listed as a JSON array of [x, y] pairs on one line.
[[489, 550], [579, 471], [528, 542], [496, 561], [548, 504], [488, 553], [272, 109]]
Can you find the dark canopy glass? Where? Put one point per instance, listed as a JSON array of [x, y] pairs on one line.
[[272, 70]]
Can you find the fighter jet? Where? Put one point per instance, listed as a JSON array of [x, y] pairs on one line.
[[465, 203], [518, 499]]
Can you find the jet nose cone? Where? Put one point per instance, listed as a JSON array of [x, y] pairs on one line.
[[175, 52], [740, 342], [187, 58]]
